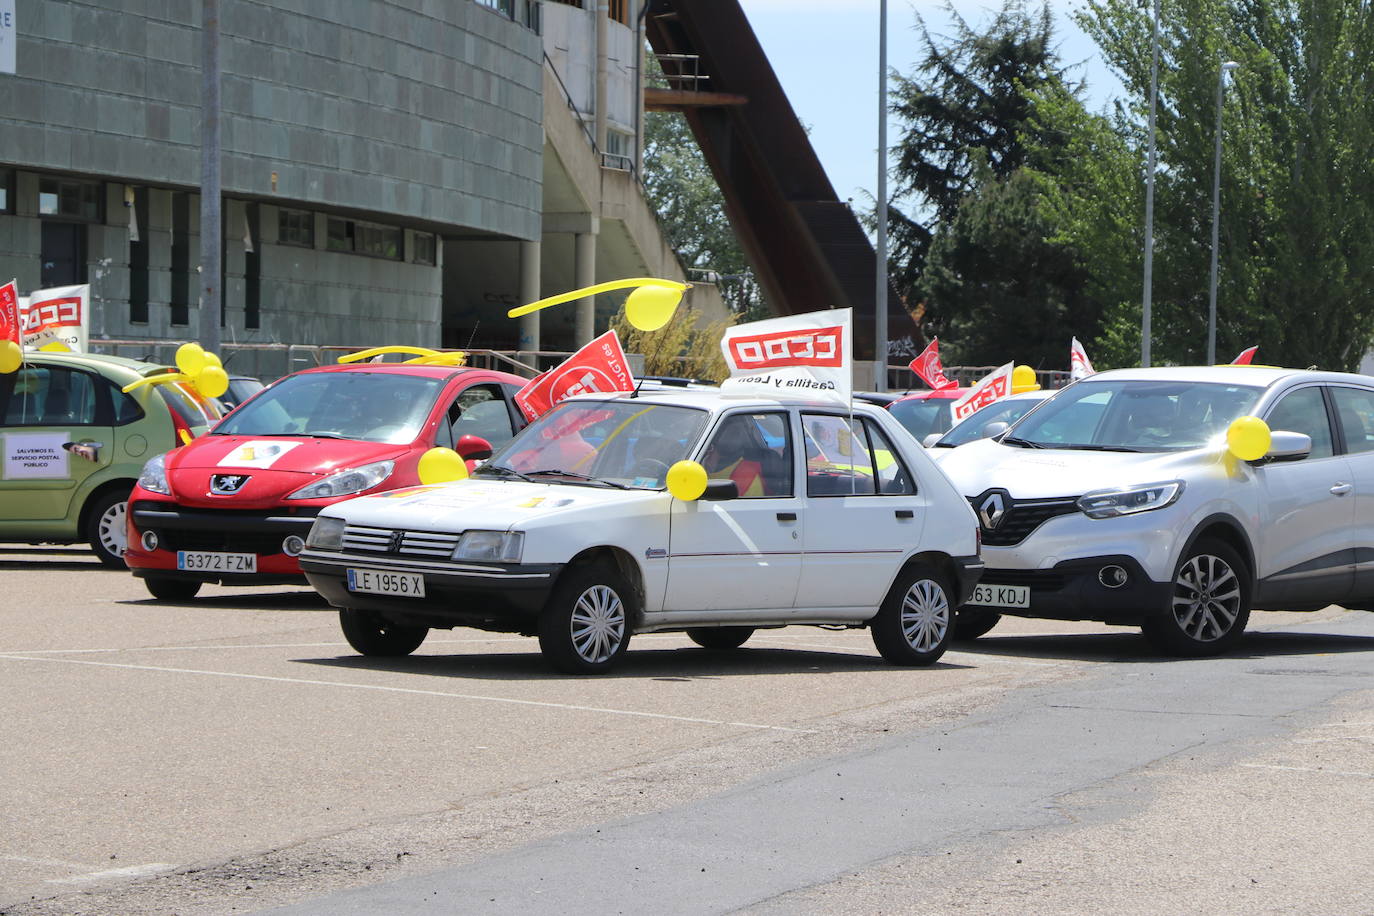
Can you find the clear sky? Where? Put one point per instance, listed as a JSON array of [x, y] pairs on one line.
[[825, 53]]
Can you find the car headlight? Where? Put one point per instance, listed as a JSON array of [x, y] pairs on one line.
[[154, 476], [346, 483], [326, 534], [491, 546], [1129, 500]]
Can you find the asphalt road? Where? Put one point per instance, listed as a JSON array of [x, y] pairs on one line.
[[233, 755]]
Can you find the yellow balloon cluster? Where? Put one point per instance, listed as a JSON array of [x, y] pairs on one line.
[[648, 308], [1248, 438], [11, 356], [198, 366], [686, 480], [440, 465]]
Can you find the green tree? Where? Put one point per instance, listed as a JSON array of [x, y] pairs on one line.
[[1297, 227], [691, 211]]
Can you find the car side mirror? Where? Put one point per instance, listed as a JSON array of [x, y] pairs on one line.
[[473, 448], [930, 440], [720, 489], [995, 428], [1285, 445]]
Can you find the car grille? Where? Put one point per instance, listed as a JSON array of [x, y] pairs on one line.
[[1021, 519], [431, 545], [230, 541], [1035, 578]]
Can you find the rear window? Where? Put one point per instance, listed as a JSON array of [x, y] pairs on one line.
[[923, 416]]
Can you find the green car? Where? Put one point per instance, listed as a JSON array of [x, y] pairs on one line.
[[72, 444]]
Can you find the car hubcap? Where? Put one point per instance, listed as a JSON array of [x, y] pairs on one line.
[[598, 624], [1206, 598], [113, 535], [925, 615]]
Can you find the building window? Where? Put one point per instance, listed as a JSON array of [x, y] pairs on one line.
[[181, 258], [6, 190], [138, 257], [619, 11], [79, 200], [365, 238], [63, 257], [296, 227], [252, 268], [426, 248]]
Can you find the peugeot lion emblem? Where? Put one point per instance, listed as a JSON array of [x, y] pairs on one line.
[[992, 510], [227, 484], [393, 542]]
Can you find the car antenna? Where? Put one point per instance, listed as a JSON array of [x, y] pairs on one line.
[[635, 393]]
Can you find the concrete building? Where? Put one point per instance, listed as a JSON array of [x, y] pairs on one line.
[[394, 171]]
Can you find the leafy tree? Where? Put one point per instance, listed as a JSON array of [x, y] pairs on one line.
[[691, 211], [1296, 250], [967, 110]]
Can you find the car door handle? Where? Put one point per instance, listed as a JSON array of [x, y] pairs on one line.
[[1341, 489], [905, 513], [787, 516]]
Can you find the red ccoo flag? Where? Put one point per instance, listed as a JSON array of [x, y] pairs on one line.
[[928, 367], [1245, 357]]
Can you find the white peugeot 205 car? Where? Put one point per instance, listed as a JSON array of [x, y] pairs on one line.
[[785, 513], [1177, 499]]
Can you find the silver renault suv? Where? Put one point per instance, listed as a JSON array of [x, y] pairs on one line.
[[1176, 500]]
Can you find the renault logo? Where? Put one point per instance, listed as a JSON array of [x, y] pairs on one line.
[[992, 510], [227, 484]]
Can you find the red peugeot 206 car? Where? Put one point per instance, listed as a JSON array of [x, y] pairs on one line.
[[235, 505]]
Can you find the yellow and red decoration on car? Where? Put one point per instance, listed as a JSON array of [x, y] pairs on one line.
[[423, 356]]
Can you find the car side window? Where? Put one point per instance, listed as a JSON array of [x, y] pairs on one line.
[[125, 408], [481, 411], [838, 460], [891, 473], [51, 396], [755, 451], [1355, 410], [1304, 411]]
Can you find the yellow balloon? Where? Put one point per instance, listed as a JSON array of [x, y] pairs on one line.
[[190, 358], [650, 307], [212, 381], [212, 360], [440, 465], [11, 356], [687, 480], [1248, 438], [1023, 379]]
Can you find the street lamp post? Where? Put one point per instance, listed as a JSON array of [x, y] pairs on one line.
[[880, 278], [1148, 292], [1216, 214]]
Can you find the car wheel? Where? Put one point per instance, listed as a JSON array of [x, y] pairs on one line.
[[372, 634], [1209, 605], [972, 622], [172, 589], [720, 637], [105, 528], [916, 622], [585, 627]]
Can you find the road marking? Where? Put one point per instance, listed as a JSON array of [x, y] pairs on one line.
[[132, 871], [1274, 766], [55, 863], [410, 690]]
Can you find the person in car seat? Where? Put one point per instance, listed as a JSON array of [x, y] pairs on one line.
[[736, 453]]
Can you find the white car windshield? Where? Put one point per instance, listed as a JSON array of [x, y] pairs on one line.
[[1134, 416], [371, 406], [623, 443]]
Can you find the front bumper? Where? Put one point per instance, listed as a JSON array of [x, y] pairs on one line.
[[505, 598], [259, 532], [1071, 590]]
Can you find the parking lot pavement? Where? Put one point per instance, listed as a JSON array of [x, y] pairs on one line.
[[233, 753]]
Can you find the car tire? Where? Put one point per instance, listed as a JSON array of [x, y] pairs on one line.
[[1209, 604], [106, 529], [585, 627], [916, 622], [172, 589], [970, 623], [720, 637], [371, 634]]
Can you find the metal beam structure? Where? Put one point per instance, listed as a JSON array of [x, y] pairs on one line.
[[806, 246]]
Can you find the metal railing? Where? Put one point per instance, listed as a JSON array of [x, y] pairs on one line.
[[902, 378]]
